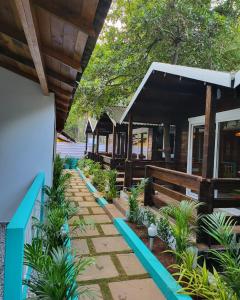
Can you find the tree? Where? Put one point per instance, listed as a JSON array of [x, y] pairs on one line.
[[200, 33]]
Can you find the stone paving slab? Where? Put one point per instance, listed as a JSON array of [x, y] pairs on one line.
[[90, 231], [131, 264], [109, 229], [138, 289], [89, 198], [80, 246], [97, 219], [98, 210], [73, 219], [88, 204], [110, 244], [95, 291], [103, 268], [83, 211]]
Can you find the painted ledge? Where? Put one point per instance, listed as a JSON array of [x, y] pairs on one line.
[[163, 279]]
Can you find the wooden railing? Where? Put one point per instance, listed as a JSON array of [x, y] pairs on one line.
[[112, 163], [171, 184], [136, 169]]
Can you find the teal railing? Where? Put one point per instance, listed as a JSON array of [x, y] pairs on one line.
[[19, 231]]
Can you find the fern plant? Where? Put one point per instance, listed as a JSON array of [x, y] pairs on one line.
[[55, 274], [185, 222], [220, 227], [134, 208]]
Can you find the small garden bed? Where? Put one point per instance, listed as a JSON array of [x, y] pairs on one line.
[[159, 247]]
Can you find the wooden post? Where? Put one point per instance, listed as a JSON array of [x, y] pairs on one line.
[[209, 135], [122, 145], [148, 191], [205, 196], [114, 142], [130, 129], [106, 148], [126, 145], [128, 174], [118, 143], [141, 149], [93, 141], [166, 138], [97, 146], [86, 145]]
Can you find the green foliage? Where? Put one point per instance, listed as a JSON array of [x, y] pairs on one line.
[[149, 217], [139, 32], [55, 273], [200, 282], [111, 178], [163, 229], [220, 228], [185, 222], [135, 192]]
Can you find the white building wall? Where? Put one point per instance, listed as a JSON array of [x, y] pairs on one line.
[[27, 128]]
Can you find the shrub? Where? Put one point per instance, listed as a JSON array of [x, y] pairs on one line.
[[111, 189], [185, 222], [133, 200], [164, 229], [55, 273]]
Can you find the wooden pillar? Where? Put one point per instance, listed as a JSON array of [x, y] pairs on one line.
[[129, 146], [126, 145], [106, 147], [114, 142], [209, 134], [118, 143], [166, 138], [122, 144], [86, 145], [97, 146], [141, 150], [93, 141]]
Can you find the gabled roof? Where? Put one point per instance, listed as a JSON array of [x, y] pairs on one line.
[[115, 113], [224, 79]]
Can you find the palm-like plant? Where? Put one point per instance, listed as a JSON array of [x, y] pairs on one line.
[[220, 227], [185, 222], [135, 192], [55, 274]]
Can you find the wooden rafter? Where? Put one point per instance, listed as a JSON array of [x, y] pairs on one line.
[[26, 17], [65, 14], [19, 37], [27, 62], [59, 91]]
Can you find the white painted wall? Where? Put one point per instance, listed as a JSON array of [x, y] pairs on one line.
[[27, 127]]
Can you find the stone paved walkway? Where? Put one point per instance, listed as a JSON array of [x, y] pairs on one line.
[[117, 274]]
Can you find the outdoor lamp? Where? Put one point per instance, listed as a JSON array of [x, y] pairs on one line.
[[152, 232]]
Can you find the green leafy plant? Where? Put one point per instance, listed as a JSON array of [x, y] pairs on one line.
[[55, 273], [220, 227], [111, 176], [135, 192], [163, 229], [149, 217], [198, 281], [184, 224]]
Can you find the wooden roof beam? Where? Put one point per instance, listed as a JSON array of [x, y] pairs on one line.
[[19, 37], [59, 91], [62, 12], [27, 19], [27, 62]]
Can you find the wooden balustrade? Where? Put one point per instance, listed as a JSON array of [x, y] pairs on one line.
[[212, 193]]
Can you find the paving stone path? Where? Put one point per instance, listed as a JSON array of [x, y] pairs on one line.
[[117, 274]]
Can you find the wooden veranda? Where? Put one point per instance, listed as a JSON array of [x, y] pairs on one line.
[[204, 108]]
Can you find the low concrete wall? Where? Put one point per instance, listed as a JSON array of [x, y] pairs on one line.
[[2, 255]]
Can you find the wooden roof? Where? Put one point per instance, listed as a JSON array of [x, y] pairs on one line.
[[169, 93], [50, 42]]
